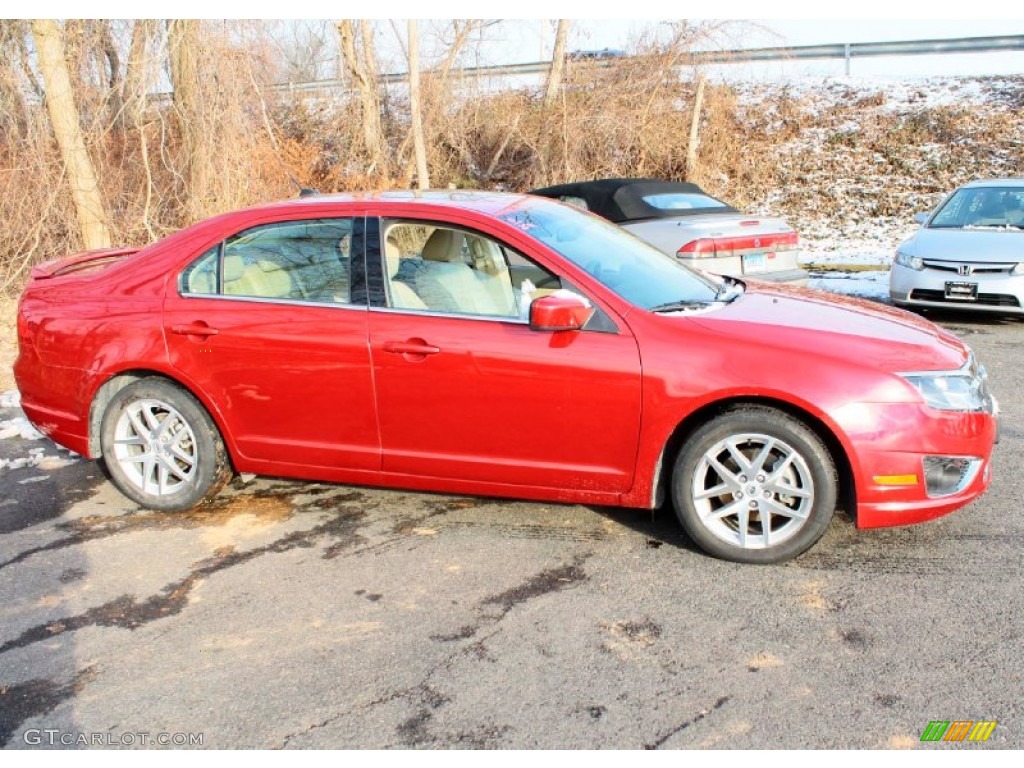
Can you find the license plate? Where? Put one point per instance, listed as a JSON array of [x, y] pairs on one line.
[[962, 291], [754, 262]]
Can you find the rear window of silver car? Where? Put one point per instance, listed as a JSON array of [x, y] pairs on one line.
[[682, 201]]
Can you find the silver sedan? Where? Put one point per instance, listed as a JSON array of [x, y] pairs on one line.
[[684, 221], [968, 253]]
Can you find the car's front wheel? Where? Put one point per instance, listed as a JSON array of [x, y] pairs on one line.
[[161, 447], [754, 485]]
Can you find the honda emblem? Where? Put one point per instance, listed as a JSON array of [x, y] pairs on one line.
[[965, 269]]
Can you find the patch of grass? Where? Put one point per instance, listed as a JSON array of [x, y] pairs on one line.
[[815, 267]]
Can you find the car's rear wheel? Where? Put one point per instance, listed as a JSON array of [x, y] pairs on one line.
[[161, 447], [754, 485]]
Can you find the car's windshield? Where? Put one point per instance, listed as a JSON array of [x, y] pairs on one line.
[[982, 208], [636, 271]]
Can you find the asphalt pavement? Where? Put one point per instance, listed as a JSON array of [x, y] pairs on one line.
[[297, 615]]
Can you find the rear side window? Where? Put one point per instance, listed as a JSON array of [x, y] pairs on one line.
[[578, 202], [202, 276], [294, 261]]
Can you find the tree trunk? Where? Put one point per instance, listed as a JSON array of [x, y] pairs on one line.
[[557, 64], [691, 147], [416, 113], [185, 57], [108, 50], [135, 86], [60, 103], [13, 110], [366, 85]]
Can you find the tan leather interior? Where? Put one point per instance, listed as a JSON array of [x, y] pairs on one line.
[[263, 279]]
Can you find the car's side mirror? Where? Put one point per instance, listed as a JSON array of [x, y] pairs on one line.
[[920, 218], [559, 312]]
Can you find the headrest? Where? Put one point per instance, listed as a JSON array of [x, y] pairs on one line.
[[392, 254], [443, 245], [234, 267]]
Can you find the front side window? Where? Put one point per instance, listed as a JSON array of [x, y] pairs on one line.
[[295, 260], [625, 264], [436, 268]]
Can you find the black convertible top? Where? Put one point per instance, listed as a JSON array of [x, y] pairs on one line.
[[623, 199]]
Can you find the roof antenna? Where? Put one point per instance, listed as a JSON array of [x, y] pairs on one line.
[[308, 192]]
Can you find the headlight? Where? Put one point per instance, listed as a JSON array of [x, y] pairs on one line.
[[962, 390], [905, 260], [1019, 269]]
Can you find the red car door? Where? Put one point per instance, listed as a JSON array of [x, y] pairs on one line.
[[472, 393], [266, 326]]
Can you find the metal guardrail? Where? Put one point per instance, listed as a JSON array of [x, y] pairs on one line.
[[849, 51], [846, 51]]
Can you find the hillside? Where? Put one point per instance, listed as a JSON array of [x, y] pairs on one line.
[[856, 158]]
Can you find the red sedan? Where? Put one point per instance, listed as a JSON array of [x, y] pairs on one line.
[[502, 345]]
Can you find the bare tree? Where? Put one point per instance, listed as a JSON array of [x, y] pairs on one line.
[[135, 85], [13, 109], [185, 57], [691, 147], [364, 78], [415, 108], [60, 102], [107, 48], [557, 64]]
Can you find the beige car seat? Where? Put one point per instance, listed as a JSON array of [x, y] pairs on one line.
[[263, 278], [448, 283], [402, 296]]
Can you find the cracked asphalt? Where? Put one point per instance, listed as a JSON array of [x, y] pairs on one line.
[[297, 615]]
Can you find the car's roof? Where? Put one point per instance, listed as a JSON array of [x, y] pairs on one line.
[[621, 200], [995, 183], [481, 201]]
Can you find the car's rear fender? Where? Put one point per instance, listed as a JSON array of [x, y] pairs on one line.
[[104, 389]]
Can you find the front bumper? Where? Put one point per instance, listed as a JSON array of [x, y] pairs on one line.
[[890, 444], [1003, 293]]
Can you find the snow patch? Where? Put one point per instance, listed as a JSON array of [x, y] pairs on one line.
[[866, 285], [10, 399], [39, 461], [19, 426]]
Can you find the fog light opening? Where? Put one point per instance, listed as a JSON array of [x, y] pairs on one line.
[[947, 475]]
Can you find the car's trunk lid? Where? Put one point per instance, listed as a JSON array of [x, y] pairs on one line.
[[85, 261], [730, 243]]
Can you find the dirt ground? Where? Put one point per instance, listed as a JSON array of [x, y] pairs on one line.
[[8, 341]]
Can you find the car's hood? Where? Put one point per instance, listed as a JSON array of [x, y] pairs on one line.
[[998, 246], [854, 330]]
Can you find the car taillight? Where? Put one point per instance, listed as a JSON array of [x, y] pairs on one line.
[[24, 333], [734, 246], [698, 249]]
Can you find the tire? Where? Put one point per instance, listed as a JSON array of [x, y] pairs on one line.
[[750, 465], [190, 464]]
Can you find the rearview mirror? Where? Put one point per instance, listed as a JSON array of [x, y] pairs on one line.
[[920, 218], [559, 312]]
